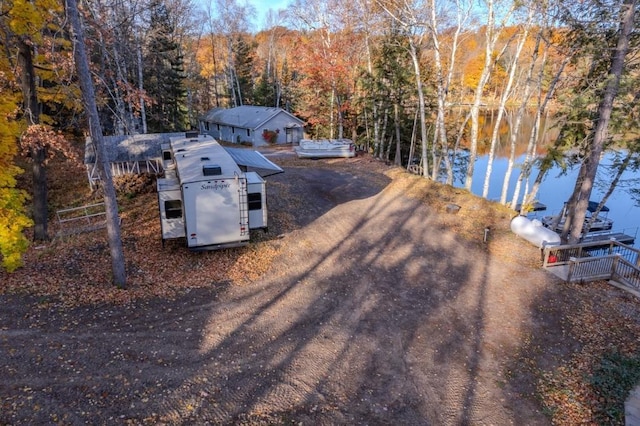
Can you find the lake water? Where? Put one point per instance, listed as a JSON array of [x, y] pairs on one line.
[[556, 189]]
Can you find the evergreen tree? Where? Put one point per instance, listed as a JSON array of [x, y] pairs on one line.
[[265, 90], [164, 75], [243, 53], [388, 87]]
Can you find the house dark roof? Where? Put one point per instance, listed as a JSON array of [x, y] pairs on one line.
[[247, 116], [130, 147]]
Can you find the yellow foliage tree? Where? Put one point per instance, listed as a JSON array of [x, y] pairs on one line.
[[13, 217], [32, 73]]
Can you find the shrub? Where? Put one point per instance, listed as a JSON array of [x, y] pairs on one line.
[[612, 380], [270, 136]]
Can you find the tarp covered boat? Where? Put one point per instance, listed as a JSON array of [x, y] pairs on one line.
[[326, 148], [599, 223]]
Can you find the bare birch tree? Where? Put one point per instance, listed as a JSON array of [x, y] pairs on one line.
[[524, 102], [443, 79], [546, 163], [492, 33], [506, 93]]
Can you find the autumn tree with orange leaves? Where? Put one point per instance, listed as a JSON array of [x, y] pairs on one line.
[[329, 60]]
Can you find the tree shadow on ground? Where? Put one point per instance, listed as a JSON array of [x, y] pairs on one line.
[[373, 314]]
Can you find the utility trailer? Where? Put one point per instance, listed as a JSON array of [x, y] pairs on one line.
[[206, 198]]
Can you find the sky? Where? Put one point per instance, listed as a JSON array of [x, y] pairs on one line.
[[262, 6]]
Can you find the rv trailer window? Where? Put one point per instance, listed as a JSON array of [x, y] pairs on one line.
[[173, 209], [255, 201]]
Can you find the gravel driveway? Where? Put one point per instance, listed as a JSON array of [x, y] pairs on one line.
[[373, 313]]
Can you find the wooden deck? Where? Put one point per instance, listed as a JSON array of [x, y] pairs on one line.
[[606, 237], [604, 260], [599, 268]]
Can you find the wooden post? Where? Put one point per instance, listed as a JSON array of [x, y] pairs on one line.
[[614, 265], [572, 265]]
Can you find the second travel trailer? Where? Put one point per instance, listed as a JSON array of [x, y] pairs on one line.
[[206, 198]]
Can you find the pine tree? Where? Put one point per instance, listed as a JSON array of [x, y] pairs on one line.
[[243, 53], [164, 74], [265, 91]]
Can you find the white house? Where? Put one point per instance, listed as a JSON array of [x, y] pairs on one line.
[[255, 125]]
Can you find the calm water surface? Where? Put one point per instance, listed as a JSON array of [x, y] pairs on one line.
[[556, 189]]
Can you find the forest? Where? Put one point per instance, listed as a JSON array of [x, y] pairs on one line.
[[409, 81]]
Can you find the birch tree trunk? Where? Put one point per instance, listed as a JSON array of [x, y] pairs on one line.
[[582, 191], [495, 137], [377, 139], [367, 40], [95, 129], [612, 186], [528, 89], [412, 146], [490, 40], [443, 82], [529, 198], [143, 109], [414, 22], [398, 155], [423, 116]]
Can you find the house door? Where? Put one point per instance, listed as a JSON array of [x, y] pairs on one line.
[[289, 132]]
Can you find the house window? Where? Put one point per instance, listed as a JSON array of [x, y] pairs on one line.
[[173, 209], [206, 126], [166, 155], [217, 127], [249, 132], [255, 201], [233, 130]]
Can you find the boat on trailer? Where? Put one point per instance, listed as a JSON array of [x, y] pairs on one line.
[[326, 148], [598, 224]]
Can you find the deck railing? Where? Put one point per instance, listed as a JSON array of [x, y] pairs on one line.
[[153, 166], [561, 255], [628, 274], [597, 261]]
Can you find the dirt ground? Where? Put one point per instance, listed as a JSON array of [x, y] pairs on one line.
[[377, 309]]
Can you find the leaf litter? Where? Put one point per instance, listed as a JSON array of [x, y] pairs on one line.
[[74, 271]]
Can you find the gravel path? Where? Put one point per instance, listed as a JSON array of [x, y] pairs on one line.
[[372, 314]]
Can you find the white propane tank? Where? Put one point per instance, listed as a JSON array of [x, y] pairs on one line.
[[534, 232]]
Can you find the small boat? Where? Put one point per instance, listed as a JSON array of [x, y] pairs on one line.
[[534, 207], [601, 223], [326, 148]]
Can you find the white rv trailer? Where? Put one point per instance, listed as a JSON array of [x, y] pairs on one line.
[[206, 198]]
